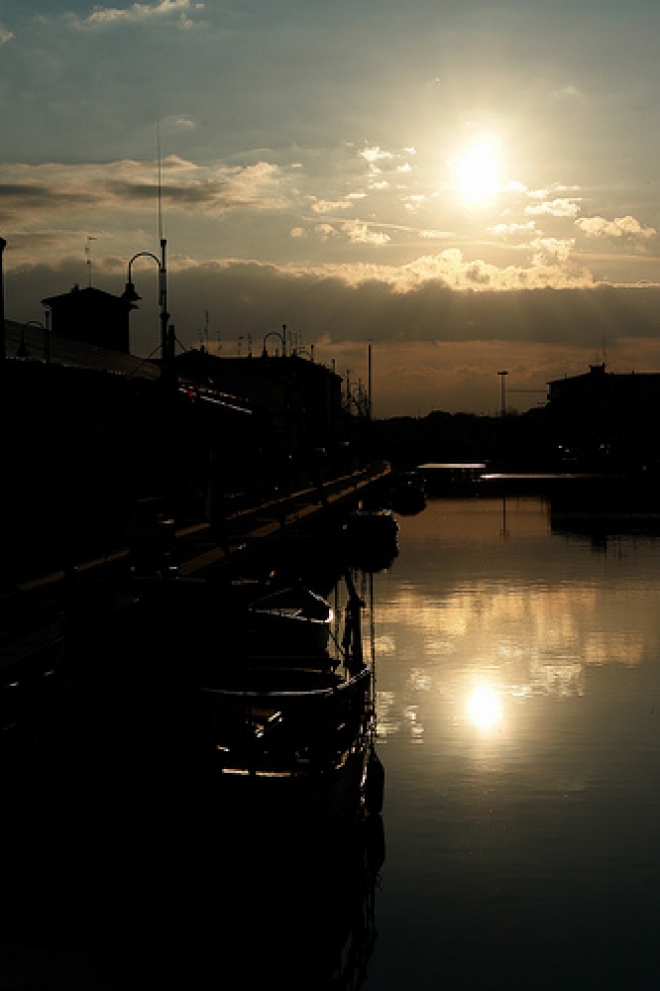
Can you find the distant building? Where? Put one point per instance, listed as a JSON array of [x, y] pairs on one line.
[[289, 394], [608, 412], [606, 396], [92, 316]]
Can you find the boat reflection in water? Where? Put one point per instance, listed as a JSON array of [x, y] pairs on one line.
[[202, 806], [124, 903], [370, 539], [408, 493]]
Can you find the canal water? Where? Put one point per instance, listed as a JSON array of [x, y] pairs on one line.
[[517, 659], [518, 687]]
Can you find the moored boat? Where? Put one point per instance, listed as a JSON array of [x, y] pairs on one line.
[[182, 719], [371, 538], [408, 493], [294, 621]]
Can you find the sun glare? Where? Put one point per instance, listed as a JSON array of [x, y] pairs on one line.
[[484, 706], [477, 171]]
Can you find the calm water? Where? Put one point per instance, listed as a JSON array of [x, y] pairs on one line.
[[518, 685], [518, 675]]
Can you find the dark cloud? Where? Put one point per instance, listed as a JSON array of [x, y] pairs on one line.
[[248, 298], [28, 196], [436, 347], [211, 194], [253, 297]]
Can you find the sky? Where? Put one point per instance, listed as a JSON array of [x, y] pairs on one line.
[[454, 188]]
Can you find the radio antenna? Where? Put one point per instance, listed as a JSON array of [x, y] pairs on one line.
[[160, 201]]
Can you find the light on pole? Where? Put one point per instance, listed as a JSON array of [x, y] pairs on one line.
[[23, 351], [131, 296], [503, 392], [282, 338], [3, 245]]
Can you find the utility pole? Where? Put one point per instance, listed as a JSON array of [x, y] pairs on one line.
[[8, 496], [369, 386], [3, 350], [503, 392]]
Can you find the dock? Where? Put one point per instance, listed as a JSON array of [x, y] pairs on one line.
[[33, 615]]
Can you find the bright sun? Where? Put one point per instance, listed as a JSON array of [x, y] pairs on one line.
[[477, 171]]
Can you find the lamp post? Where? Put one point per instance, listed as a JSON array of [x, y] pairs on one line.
[[131, 296], [23, 351], [503, 392], [282, 338], [3, 245], [369, 385]]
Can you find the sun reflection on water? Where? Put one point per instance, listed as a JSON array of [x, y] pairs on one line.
[[484, 707]]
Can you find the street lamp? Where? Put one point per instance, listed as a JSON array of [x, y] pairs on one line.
[[22, 348], [3, 245], [503, 391], [130, 294], [282, 338]]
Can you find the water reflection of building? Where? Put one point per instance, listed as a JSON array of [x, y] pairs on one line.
[[605, 531]]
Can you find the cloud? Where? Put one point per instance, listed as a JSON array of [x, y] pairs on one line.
[[5, 35], [359, 233], [413, 202], [544, 247], [515, 186], [377, 158], [335, 305], [329, 206], [450, 269], [446, 271], [325, 230], [374, 154], [444, 297], [503, 229], [255, 184], [563, 207], [40, 196], [140, 12], [450, 315], [619, 227], [31, 192]]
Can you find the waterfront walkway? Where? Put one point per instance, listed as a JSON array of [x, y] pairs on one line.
[[33, 614]]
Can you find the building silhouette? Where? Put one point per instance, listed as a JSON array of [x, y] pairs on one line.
[[92, 316], [607, 416]]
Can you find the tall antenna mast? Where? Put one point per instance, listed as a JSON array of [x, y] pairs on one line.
[[162, 270], [160, 200]]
